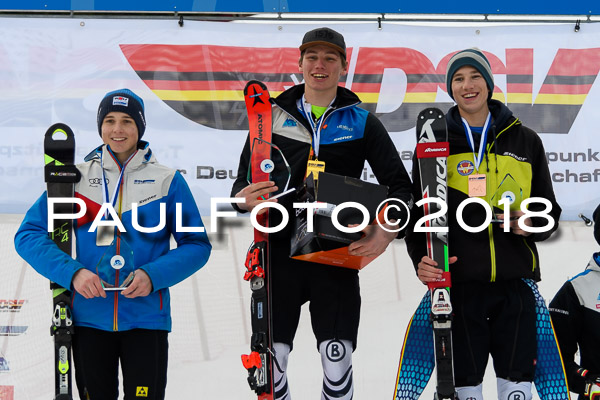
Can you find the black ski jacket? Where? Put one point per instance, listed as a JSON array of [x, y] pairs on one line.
[[350, 136], [575, 312], [514, 162]]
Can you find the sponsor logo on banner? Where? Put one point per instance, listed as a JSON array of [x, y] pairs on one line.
[[4, 365], [181, 76], [10, 305], [12, 330]]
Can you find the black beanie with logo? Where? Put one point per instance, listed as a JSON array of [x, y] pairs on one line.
[[125, 101]]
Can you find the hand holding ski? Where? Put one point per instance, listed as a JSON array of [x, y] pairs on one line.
[[256, 193], [428, 270]]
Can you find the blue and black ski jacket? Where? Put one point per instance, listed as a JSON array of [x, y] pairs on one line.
[[149, 184], [350, 136]]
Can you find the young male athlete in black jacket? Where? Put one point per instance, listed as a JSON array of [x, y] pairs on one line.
[[575, 312], [321, 120], [492, 157]]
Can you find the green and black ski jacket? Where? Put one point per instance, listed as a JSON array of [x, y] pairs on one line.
[[515, 166]]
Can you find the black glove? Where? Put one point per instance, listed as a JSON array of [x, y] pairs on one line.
[[592, 384]]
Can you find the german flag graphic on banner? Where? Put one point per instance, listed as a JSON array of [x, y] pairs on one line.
[[204, 83]]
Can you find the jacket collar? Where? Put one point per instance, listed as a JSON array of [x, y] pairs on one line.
[[142, 156], [287, 102], [287, 99], [501, 116]]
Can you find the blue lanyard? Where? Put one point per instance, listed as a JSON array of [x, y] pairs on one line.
[[315, 126], [479, 156]]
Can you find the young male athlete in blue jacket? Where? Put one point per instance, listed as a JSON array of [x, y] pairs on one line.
[[127, 326]]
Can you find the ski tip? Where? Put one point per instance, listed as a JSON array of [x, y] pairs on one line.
[[431, 112], [257, 84], [59, 131]]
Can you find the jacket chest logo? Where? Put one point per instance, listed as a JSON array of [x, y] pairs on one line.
[[289, 123], [465, 167]]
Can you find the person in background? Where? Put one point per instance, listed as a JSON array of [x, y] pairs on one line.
[[575, 311]]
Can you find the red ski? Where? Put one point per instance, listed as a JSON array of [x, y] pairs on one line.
[[259, 362]]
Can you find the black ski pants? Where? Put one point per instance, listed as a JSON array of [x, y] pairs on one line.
[[142, 353], [497, 319]]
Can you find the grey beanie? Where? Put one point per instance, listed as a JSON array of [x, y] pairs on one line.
[[123, 100], [476, 59]]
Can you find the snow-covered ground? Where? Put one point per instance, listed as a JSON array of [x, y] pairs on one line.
[[211, 320]]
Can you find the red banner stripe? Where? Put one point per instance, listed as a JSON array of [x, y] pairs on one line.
[[210, 85], [565, 89]]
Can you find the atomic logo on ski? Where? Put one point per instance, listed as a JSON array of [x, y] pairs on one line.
[[256, 96]]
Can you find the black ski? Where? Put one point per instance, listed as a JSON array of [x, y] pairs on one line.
[[61, 175], [432, 154]]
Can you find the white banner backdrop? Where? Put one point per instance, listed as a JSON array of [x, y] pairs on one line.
[[191, 77]]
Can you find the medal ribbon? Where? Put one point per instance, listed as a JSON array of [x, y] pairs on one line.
[[105, 194], [305, 109], [479, 156]]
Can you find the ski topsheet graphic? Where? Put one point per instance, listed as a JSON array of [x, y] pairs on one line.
[[259, 362], [61, 176], [415, 367]]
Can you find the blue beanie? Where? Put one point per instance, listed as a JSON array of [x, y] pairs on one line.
[[125, 101], [476, 59], [596, 218]]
